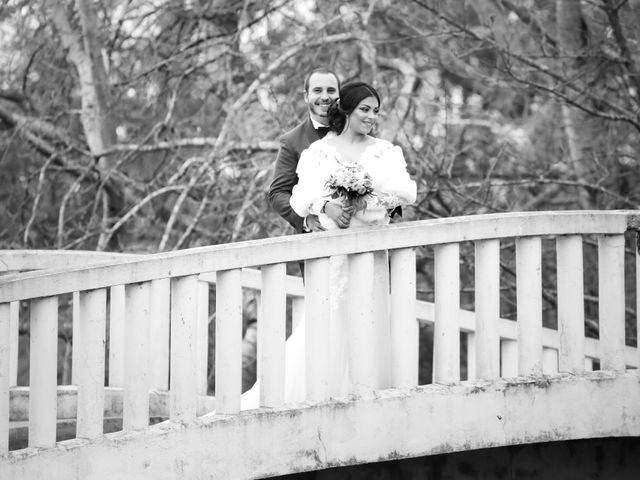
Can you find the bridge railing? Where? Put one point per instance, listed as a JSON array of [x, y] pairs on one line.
[[156, 310]]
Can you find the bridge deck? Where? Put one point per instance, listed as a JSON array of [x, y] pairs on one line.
[[162, 302], [385, 425]]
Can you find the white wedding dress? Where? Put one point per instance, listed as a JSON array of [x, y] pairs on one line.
[[392, 187]]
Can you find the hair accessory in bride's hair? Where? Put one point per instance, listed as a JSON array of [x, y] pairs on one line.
[[338, 107]]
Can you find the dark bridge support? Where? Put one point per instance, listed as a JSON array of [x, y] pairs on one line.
[[599, 458]]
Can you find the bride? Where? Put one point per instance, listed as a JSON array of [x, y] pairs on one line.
[[347, 147]]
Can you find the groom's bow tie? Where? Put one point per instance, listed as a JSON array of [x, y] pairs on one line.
[[322, 131]]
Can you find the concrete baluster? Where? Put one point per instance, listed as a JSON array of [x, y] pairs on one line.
[[509, 358], [90, 366], [75, 335], [202, 339], [637, 245], [228, 362], [317, 328], [404, 324], [184, 306], [382, 318], [116, 335], [446, 337], [5, 374], [135, 404], [159, 313], [549, 361], [588, 364], [570, 303], [14, 342], [529, 304], [43, 362], [487, 303], [470, 339], [271, 335], [361, 330], [297, 312], [611, 301]]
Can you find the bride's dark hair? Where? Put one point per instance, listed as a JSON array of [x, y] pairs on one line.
[[351, 95]]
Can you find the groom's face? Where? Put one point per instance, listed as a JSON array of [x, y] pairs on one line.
[[323, 88]]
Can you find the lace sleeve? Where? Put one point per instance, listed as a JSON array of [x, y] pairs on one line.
[[308, 194]]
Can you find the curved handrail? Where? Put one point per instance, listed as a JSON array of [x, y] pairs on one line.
[[25, 260], [315, 245], [40, 259]]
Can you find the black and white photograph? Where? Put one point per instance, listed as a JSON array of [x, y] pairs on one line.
[[319, 239]]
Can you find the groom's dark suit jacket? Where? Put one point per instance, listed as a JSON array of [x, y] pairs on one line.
[[285, 177]]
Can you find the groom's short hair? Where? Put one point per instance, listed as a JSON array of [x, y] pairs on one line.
[[320, 70]]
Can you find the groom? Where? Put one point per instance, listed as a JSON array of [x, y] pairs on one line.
[[321, 86]]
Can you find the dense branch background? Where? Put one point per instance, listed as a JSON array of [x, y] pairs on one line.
[[146, 126], [153, 125]]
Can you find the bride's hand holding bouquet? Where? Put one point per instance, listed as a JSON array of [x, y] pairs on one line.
[[339, 213]]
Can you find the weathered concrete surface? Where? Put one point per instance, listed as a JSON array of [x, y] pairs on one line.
[[390, 425]]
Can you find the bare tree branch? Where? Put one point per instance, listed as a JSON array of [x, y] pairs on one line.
[[624, 201], [526, 18], [271, 68], [195, 142], [623, 114], [184, 192], [613, 13], [63, 205], [247, 201], [402, 104], [192, 225], [139, 205], [36, 200]]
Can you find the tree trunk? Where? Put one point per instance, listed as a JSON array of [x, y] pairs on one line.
[[95, 86], [577, 125], [84, 52]]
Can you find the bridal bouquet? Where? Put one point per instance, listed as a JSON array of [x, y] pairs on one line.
[[351, 183]]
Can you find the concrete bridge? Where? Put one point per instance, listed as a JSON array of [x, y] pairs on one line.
[[145, 321]]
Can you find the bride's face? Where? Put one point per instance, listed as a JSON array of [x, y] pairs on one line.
[[365, 115]]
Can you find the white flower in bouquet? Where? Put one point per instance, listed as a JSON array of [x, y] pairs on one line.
[[351, 183]]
